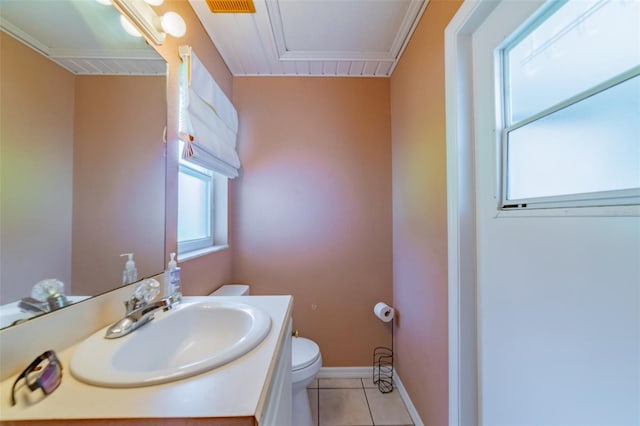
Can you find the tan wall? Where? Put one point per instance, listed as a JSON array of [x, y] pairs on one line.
[[420, 215], [36, 142], [118, 179], [202, 275], [313, 205]]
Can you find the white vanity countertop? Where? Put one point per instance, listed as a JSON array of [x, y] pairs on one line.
[[234, 390]]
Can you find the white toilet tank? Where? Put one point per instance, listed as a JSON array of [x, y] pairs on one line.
[[232, 290]]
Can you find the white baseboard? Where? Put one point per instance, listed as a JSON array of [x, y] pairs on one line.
[[407, 400], [344, 372], [363, 372]]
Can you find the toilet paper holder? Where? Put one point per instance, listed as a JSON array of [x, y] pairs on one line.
[[383, 366]]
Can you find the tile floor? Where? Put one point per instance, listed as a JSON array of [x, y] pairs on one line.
[[355, 402]]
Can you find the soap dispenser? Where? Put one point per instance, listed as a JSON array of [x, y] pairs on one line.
[[172, 280], [130, 273]]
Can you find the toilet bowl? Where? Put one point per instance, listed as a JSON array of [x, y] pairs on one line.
[[306, 362]]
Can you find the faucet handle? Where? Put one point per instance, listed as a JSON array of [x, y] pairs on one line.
[[44, 289], [144, 293]]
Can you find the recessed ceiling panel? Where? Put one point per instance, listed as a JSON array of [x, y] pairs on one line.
[[346, 27], [313, 37]]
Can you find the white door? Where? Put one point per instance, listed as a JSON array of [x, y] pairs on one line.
[[558, 294]]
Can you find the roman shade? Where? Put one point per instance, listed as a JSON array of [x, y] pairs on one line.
[[208, 122]]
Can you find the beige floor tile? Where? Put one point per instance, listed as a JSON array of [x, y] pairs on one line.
[[313, 402], [340, 383], [343, 407], [387, 408], [367, 382], [313, 384]]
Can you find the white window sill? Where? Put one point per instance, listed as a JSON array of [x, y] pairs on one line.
[[602, 211], [199, 253]]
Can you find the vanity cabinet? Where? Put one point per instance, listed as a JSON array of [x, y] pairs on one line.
[[254, 390], [278, 408]]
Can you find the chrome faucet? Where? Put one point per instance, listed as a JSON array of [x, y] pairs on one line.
[[30, 304], [54, 301], [137, 317], [140, 309]]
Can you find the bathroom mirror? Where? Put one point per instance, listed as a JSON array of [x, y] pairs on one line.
[[82, 172]]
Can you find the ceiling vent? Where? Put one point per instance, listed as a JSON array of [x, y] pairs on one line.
[[231, 6]]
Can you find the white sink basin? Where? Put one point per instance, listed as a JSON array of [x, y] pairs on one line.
[[189, 339]]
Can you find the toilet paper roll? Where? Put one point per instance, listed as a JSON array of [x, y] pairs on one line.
[[383, 311]]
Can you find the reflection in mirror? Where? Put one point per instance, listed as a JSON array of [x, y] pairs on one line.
[[82, 168]]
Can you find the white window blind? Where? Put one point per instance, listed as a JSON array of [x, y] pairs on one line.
[[208, 122]]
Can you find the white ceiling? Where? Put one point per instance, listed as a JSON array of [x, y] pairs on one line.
[[83, 36], [362, 38]]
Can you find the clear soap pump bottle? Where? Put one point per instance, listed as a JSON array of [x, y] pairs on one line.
[[130, 273], [172, 287]]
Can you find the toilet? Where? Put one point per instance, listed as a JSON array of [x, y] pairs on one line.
[[306, 362]]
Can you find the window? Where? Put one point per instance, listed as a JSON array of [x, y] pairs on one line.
[[202, 210], [208, 128], [571, 107], [195, 208]]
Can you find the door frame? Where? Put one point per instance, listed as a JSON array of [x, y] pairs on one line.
[[464, 377]]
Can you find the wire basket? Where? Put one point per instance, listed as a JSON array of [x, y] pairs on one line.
[[383, 369], [383, 366]]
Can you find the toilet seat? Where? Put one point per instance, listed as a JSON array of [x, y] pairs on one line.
[[304, 352]]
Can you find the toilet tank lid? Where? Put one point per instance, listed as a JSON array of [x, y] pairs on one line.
[[304, 352], [232, 290]]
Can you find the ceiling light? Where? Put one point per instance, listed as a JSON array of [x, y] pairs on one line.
[[129, 27], [155, 2], [148, 22], [173, 24]]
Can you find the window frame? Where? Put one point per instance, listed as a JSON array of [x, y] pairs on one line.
[[600, 199], [218, 216]]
